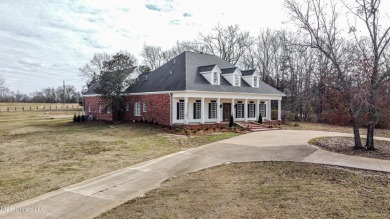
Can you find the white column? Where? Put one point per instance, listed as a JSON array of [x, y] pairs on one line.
[[232, 108], [202, 111], [279, 109], [269, 110], [218, 110], [246, 110], [186, 110], [257, 109]]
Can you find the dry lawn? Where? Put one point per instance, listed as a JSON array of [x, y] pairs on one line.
[[44, 151], [265, 190], [331, 128]]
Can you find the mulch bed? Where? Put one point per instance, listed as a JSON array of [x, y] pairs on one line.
[[344, 145]]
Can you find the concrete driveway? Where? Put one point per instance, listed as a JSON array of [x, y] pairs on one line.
[[92, 197]]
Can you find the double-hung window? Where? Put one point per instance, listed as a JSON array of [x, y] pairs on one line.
[[137, 109], [100, 108], [213, 110], [263, 109], [236, 80], [240, 110], [251, 110], [127, 107], [255, 81], [89, 107], [180, 110], [197, 109], [215, 78], [145, 107]]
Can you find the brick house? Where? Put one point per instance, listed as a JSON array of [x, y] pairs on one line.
[[192, 89]]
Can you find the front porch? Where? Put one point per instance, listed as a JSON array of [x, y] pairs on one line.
[[193, 109]]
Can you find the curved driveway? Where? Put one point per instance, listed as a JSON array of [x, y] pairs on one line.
[[92, 197]]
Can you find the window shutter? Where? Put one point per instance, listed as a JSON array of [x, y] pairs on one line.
[[236, 111], [210, 110], [265, 110], [177, 110], [194, 110]]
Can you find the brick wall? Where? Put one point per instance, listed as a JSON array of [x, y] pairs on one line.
[[158, 108], [94, 106]]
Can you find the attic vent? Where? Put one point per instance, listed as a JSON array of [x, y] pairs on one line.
[[174, 61], [170, 72]]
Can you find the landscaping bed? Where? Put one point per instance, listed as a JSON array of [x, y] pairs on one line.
[[345, 145]]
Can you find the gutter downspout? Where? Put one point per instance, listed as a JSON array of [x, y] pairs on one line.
[[171, 109]]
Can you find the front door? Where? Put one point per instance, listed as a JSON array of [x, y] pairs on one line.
[[227, 108]]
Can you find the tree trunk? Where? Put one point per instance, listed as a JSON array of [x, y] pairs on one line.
[[370, 136], [372, 119], [356, 134]]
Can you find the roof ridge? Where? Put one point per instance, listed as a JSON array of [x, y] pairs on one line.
[[200, 53]]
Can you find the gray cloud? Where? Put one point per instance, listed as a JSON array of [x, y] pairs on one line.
[[186, 14], [153, 7]]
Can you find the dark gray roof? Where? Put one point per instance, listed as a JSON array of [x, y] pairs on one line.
[[183, 74], [248, 72], [206, 68], [91, 89], [228, 70]]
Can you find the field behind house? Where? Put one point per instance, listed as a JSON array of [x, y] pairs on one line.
[[19, 107], [42, 151]]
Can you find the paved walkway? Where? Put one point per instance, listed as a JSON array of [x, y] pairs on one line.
[[92, 197]]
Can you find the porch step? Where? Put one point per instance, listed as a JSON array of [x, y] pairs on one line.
[[256, 127]]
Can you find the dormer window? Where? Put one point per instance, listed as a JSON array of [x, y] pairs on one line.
[[251, 77], [255, 81], [215, 78], [211, 73], [236, 80]]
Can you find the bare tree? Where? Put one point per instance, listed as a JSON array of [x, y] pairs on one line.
[[94, 67], [375, 62], [228, 43], [318, 22], [153, 56]]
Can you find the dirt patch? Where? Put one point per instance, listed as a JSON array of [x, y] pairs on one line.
[[345, 145], [265, 190]]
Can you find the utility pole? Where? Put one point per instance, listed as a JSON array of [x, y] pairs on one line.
[[63, 93]]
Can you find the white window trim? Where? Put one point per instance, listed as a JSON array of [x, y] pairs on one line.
[[240, 110], [215, 76], [255, 79], [145, 107], [181, 110], [263, 111], [137, 109], [100, 110], [198, 111], [89, 107], [251, 110], [213, 112], [236, 78]]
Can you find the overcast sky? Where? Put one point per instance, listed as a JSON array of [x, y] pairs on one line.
[[44, 42]]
